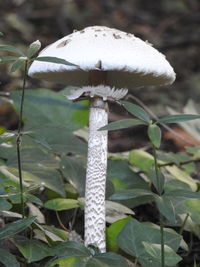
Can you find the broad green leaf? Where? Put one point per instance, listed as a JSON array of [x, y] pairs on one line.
[[182, 194], [2, 130], [71, 249], [4, 204], [134, 233], [74, 170], [122, 124], [154, 251], [193, 208], [10, 48], [154, 134], [137, 111], [33, 199], [45, 107], [113, 231], [61, 204], [18, 64], [1, 34], [131, 193], [41, 168], [8, 259], [141, 159], [69, 262], [166, 208], [182, 176], [7, 59], [121, 175], [62, 234], [107, 260], [33, 48], [16, 227], [116, 211], [158, 180], [54, 60], [32, 250], [58, 139], [178, 118]]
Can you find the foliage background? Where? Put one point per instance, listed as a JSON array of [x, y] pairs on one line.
[[171, 25]]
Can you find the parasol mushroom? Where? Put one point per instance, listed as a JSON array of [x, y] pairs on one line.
[[105, 59]]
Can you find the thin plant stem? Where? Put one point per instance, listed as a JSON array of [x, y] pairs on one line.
[[156, 169], [60, 222], [18, 139], [162, 239], [183, 224], [136, 261]]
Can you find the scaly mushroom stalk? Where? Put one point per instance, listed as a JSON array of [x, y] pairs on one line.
[[96, 175]]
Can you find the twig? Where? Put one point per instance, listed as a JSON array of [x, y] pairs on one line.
[[171, 163], [180, 163]]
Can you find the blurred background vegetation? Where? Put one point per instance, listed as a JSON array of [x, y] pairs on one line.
[[171, 25]]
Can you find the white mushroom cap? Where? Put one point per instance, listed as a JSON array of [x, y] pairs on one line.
[[128, 60]]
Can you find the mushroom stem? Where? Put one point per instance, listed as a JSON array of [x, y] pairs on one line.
[[96, 175]]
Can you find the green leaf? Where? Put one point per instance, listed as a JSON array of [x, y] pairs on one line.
[[4, 204], [131, 193], [193, 208], [54, 60], [33, 48], [74, 171], [10, 48], [159, 181], [123, 177], [7, 59], [18, 64], [32, 250], [8, 259], [182, 194], [48, 230], [134, 233], [141, 159], [71, 249], [122, 124], [61, 204], [107, 260], [32, 198], [40, 168], [45, 107], [154, 134], [178, 118], [137, 111], [69, 262], [182, 176], [15, 227], [166, 208], [154, 251], [112, 233], [2, 130]]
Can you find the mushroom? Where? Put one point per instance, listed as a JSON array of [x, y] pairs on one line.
[[105, 58]]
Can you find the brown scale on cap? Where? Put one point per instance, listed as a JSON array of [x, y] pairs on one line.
[[117, 36], [63, 43]]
